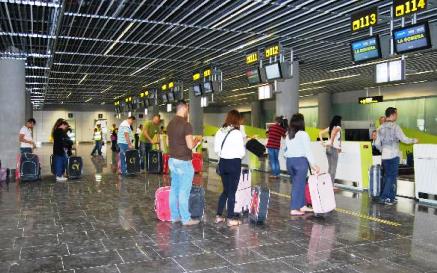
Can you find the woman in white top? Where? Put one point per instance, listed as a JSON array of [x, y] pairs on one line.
[[333, 145], [299, 158], [229, 146]]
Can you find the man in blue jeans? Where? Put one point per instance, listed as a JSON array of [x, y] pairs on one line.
[[389, 136], [181, 142], [275, 133], [26, 137], [125, 138]]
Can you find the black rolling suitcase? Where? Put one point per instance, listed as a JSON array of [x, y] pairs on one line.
[[255, 147], [197, 202], [30, 169], [74, 167], [259, 205], [132, 162], [154, 162]]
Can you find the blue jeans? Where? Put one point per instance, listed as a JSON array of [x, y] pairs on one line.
[[297, 168], [97, 148], [230, 170], [390, 177], [60, 163], [182, 174], [123, 148], [25, 150], [274, 161]]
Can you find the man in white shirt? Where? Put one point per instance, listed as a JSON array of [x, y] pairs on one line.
[[25, 137]]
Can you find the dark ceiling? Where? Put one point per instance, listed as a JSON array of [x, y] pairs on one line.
[[84, 51]]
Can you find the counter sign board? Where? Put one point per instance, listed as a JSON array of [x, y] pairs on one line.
[[364, 19], [252, 58], [407, 7], [207, 72], [369, 100], [272, 51], [196, 76]]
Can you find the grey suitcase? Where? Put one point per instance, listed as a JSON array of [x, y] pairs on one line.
[[375, 181]]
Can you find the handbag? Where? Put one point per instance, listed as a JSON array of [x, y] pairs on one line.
[[217, 168]]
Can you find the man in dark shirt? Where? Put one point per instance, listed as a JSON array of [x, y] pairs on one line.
[[181, 142], [275, 133]]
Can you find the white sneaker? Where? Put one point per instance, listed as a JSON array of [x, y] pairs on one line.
[[61, 179]]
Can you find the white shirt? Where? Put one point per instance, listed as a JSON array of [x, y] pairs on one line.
[[233, 146], [299, 146], [336, 141], [138, 131], [27, 136]]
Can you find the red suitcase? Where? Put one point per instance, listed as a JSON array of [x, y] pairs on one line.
[[197, 162], [165, 168]]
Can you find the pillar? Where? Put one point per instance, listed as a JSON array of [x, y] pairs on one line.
[[12, 108], [29, 107], [255, 114], [196, 113], [324, 109], [287, 100]]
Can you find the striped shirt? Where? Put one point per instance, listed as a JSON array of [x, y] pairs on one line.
[[275, 134]]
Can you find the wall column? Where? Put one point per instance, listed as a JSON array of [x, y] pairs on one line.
[[29, 107], [324, 109], [255, 114], [12, 110], [287, 101], [196, 113]]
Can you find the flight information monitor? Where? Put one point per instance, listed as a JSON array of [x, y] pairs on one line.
[[197, 89], [164, 98], [207, 87], [273, 71], [366, 49], [412, 38], [253, 76], [170, 97]]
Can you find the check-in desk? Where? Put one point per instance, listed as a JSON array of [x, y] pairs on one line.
[[425, 172]]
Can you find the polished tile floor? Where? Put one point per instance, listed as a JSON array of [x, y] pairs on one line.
[[104, 224]]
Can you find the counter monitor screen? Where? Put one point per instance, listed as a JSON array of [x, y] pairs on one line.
[[207, 87], [170, 97], [412, 38], [253, 76], [273, 71], [164, 98], [366, 50], [197, 89]]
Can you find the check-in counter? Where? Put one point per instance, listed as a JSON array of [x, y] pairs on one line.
[[425, 172], [353, 166]]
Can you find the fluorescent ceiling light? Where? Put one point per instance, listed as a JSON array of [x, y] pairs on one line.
[[144, 67], [161, 79], [233, 15], [84, 77], [362, 65], [88, 99], [234, 77], [332, 79], [119, 38], [312, 88], [69, 94], [106, 89], [421, 72]]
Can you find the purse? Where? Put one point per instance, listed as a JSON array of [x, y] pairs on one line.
[[217, 168]]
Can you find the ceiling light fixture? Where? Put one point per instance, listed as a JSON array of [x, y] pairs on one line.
[[84, 77], [144, 67], [161, 79], [332, 79], [106, 89], [69, 94], [88, 99], [362, 65], [119, 38]]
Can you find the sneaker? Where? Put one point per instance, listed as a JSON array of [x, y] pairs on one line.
[[388, 202], [176, 221], [191, 222], [232, 223], [61, 179], [306, 209], [219, 219]]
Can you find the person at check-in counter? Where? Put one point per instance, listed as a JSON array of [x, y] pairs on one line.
[[333, 145], [299, 158], [387, 141]]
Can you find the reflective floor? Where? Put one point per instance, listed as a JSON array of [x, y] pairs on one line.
[[104, 224]]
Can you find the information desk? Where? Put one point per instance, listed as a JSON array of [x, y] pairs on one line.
[[353, 166], [425, 172]]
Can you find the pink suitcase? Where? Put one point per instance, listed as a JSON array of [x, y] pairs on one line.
[[322, 193], [244, 192], [162, 203]]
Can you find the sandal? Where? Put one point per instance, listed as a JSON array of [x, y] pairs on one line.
[[297, 213], [232, 223], [306, 209], [219, 219]]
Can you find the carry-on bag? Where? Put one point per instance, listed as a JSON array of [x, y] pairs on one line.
[[52, 164], [74, 167], [162, 203], [197, 162], [255, 147], [4, 173], [322, 193], [375, 181], [132, 162], [197, 202], [154, 162], [29, 167], [307, 195], [259, 205], [244, 192], [165, 159]]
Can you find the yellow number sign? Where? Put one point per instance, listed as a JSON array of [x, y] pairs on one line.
[[406, 7]]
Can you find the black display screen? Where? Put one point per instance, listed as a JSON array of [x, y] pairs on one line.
[[366, 49], [253, 76], [197, 89], [207, 87], [412, 38]]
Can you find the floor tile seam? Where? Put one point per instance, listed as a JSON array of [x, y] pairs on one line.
[[122, 260], [203, 270], [178, 264]]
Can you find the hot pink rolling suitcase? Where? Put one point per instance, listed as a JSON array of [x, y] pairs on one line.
[[162, 203], [244, 192], [322, 193]]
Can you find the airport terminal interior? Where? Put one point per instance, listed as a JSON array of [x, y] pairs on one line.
[[97, 63]]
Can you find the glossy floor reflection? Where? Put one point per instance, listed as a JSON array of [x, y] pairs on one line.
[[103, 224]]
